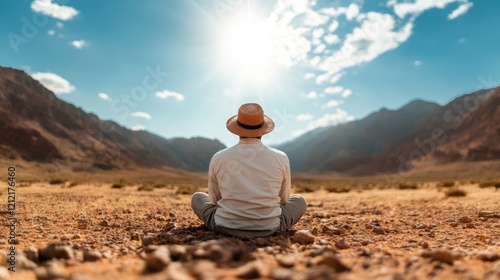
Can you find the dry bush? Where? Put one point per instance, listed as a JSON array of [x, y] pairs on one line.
[[487, 184], [56, 181], [147, 188], [305, 188], [186, 189], [455, 192], [408, 186], [118, 185], [337, 189], [447, 184]]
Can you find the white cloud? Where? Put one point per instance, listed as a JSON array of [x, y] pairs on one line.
[[53, 82], [59, 24], [308, 76], [332, 103], [418, 6], [54, 10], [462, 40], [346, 93], [320, 48], [332, 39], [335, 78], [334, 90], [51, 32], [141, 115], [167, 94], [352, 11], [374, 37], [138, 127], [461, 10], [340, 116], [318, 33], [104, 96], [417, 62], [333, 26], [79, 44], [304, 117], [312, 95]]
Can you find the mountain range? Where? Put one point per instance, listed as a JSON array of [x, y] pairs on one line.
[[466, 129], [37, 127]]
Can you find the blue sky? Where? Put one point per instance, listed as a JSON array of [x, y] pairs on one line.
[[182, 68]]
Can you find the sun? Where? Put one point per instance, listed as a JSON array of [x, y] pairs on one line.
[[246, 51]]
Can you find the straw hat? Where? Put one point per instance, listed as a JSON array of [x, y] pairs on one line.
[[250, 121]]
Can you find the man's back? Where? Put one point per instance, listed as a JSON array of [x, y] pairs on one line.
[[249, 182]]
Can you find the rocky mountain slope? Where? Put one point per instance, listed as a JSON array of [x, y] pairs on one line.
[[36, 126]]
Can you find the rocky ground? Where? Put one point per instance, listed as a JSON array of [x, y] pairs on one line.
[[96, 232]]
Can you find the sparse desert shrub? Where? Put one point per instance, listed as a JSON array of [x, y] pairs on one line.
[[487, 184], [337, 189], [407, 186], [118, 185], [186, 189], [304, 188], [447, 184], [56, 181], [73, 184], [159, 185], [147, 188], [454, 192]]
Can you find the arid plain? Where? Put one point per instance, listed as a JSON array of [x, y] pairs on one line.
[[414, 230]]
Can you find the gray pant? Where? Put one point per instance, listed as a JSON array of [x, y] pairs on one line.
[[291, 212]]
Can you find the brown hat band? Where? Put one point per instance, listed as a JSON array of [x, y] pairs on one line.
[[251, 127]]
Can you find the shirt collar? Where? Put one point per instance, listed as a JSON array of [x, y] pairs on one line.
[[250, 141]]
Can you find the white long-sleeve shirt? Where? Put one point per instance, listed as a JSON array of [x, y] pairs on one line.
[[248, 182]]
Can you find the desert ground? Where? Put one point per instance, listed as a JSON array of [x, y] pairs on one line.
[[86, 230]]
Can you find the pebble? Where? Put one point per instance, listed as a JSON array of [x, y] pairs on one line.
[[158, 260], [488, 256], [281, 274], [303, 237], [486, 214], [147, 240], [178, 253], [379, 230], [249, 271], [465, 220], [31, 254], [56, 251], [286, 261], [91, 255], [421, 226], [341, 245], [329, 259], [441, 255]]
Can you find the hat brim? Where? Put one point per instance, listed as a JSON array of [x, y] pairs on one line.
[[233, 127]]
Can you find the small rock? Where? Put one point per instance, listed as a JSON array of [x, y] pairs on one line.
[[53, 271], [379, 230], [465, 220], [334, 230], [488, 256], [66, 237], [341, 245], [158, 260], [421, 226], [441, 255], [329, 259], [176, 271], [425, 245], [31, 254], [303, 237], [91, 255], [281, 274], [286, 261], [178, 253], [486, 214], [470, 225], [249, 270], [147, 240], [56, 251], [104, 223]]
